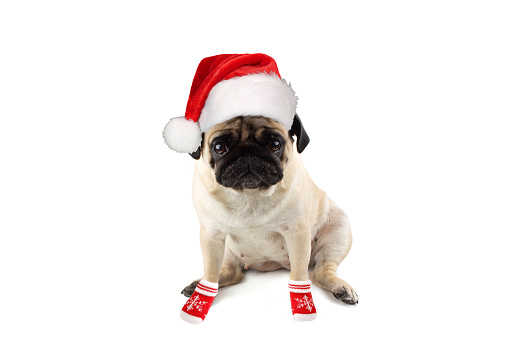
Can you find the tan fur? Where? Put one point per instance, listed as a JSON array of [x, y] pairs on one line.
[[293, 224]]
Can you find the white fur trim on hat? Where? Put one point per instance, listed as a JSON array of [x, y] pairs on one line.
[[182, 135], [255, 94]]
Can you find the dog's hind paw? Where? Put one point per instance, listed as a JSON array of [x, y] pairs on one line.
[[189, 289], [347, 295]]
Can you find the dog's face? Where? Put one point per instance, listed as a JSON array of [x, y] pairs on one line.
[[250, 151]]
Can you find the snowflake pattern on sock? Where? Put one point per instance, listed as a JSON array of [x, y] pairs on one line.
[[195, 303], [306, 302]]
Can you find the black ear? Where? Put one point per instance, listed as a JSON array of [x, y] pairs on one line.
[[298, 130], [196, 154]]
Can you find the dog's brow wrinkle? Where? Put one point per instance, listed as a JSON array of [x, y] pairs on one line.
[[222, 133]]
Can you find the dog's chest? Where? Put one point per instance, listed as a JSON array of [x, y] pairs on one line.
[[260, 248], [255, 229]]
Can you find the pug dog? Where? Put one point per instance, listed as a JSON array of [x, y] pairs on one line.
[[259, 209]]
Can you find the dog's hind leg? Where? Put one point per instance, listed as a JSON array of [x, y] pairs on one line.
[[330, 246], [231, 273]]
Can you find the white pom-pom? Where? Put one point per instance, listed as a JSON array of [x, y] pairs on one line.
[[182, 135]]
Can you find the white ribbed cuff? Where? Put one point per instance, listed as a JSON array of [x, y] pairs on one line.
[[299, 286], [207, 288]]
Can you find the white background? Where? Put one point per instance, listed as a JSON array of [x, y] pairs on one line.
[[406, 104]]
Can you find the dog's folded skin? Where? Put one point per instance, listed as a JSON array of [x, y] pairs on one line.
[[258, 208]]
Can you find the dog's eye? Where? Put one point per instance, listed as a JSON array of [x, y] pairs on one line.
[[220, 148], [274, 145]]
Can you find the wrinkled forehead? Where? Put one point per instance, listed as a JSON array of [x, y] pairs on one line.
[[243, 127]]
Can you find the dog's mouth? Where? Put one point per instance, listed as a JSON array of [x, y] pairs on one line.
[[251, 180], [249, 172]]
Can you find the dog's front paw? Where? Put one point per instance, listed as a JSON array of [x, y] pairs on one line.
[[347, 295], [189, 289]]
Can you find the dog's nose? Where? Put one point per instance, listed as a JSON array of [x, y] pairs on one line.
[[246, 160], [249, 162]]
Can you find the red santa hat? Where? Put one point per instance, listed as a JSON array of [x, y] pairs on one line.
[[226, 86]]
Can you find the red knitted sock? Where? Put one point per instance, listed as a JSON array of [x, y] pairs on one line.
[[197, 306], [303, 307]]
